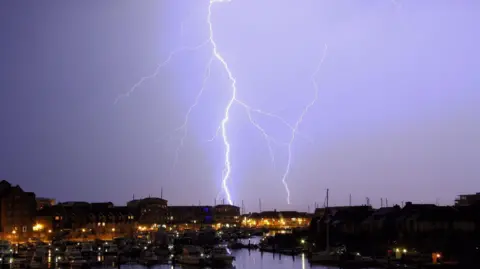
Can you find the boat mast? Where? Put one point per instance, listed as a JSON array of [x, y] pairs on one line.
[[328, 224]]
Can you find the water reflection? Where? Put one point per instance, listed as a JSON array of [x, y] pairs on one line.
[[252, 259], [245, 259]]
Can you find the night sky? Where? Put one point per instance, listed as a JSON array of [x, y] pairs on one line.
[[397, 115]]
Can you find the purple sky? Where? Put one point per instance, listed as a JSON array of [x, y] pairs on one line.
[[398, 113]]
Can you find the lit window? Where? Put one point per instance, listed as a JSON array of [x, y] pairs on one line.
[[57, 218]]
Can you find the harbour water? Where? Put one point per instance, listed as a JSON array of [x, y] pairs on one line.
[[254, 259], [245, 258]]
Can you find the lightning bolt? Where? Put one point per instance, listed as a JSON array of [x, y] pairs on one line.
[[184, 126], [222, 128], [299, 121], [227, 170], [157, 70]]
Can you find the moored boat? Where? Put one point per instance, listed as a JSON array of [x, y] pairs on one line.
[[191, 255], [221, 256]]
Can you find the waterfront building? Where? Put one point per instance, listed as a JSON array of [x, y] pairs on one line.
[[189, 217], [277, 219], [152, 210], [226, 215], [44, 202], [425, 227], [107, 221], [17, 212], [429, 218], [321, 211], [82, 220], [468, 199]]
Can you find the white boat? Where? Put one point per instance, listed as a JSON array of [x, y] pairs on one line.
[[191, 255], [5, 249], [72, 251], [110, 248], [359, 258], [324, 257], [62, 261], [41, 250], [86, 249], [221, 255], [39, 260], [19, 263], [78, 261], [148, 257], [58, 250]]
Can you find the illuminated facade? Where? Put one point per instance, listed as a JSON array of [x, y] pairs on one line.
[[81, 220], [277, 220]]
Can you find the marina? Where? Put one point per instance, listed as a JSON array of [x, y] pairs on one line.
[[180, 250], [243, 258]]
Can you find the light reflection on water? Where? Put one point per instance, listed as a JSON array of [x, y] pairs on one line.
[[251, 260]]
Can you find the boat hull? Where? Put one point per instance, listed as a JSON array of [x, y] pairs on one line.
[[189, 260], [222, 262]]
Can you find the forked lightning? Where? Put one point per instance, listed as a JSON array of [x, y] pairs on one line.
[[233, 100]]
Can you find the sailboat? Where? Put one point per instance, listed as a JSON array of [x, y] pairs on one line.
[[326, 256]]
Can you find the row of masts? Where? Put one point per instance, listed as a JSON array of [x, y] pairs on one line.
[[383, 202]]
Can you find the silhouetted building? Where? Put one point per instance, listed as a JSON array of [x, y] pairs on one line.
[[427, 218], [17, 211], [468, 199], [151, 210], [51, 218], [81, 219], [43, 202], [424, 227], [190, 214], [320, 212], [349, 220], [382, 222], [111, 221], [226, 214]]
